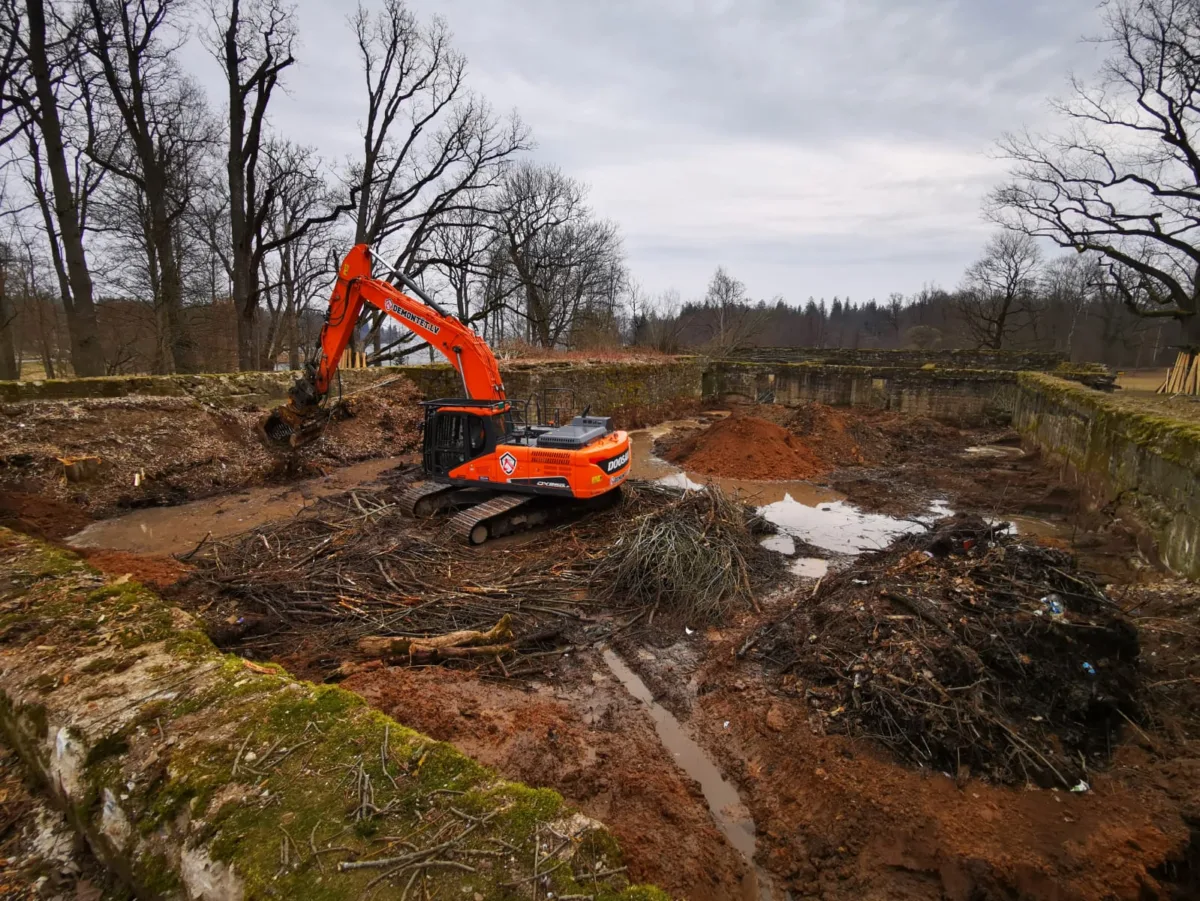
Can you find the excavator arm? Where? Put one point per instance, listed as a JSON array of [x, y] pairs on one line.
[[303, 417]]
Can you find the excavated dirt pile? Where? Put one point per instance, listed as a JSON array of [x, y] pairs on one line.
[[746, 447], [159, 451], [969, 651], [805, 442]]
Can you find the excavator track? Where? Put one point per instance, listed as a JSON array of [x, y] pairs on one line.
[[477, 524], [421, 499]]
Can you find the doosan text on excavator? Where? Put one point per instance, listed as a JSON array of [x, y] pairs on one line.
[[499, 475]]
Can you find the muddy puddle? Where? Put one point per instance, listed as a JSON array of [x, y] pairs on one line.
[[173, 530], [728, 810], [802, 511]]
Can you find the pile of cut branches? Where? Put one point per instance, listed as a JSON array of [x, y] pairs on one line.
[[693, 554], [352, 566], [968, 650]]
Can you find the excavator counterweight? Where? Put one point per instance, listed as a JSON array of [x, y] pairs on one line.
[[476, 458]]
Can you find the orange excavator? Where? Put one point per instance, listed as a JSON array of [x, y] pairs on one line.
[[500, 476]]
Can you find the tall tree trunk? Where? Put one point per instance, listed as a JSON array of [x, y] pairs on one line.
[[164, 355], [86, 355], [287, 284], [179, 337], [253, 87], [10, 367], [245, 300], [1190, 326]]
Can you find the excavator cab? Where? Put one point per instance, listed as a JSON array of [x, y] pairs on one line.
[[457, 431]]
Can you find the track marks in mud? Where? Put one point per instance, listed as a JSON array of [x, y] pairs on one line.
[[593, 744]]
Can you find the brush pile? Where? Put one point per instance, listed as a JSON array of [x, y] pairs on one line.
[[353, 567], [967, 650], [694, 555]]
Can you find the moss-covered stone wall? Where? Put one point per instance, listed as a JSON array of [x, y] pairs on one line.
[[909, 359], [1123, 452], [962, 395], [610, 388], [197, 775]]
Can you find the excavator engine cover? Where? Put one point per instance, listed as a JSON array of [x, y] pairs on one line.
[[578, 433]]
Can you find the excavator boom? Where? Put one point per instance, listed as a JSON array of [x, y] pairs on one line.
[[301, 420], [499, 475]]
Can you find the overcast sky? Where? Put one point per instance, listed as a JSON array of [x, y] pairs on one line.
[[812, 147]]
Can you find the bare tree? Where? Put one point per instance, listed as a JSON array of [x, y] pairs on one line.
[[459, 249], [51, 49], [1122, 179], [147, 126], [732, 321], [999, 291], [656, 321], [1068, 285], [564, 262], [923, 337], [430, 146], [253, 43], [14, 71], [300, 255], [10, 367]]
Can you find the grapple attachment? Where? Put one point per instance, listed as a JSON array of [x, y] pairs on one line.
[[286, 428]]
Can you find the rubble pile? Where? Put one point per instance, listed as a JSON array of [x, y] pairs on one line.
[[968, 650]]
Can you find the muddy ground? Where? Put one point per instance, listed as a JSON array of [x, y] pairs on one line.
[[837, 817], [164, 451], [898, 465]]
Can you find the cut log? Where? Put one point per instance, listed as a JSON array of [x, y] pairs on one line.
[[422, 654], [478, 642]]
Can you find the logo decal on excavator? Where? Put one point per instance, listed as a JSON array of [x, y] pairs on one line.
[[612, 464], [411, 317], [508, 463]]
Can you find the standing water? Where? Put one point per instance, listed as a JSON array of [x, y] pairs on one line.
[[799, 510], [730, 814], [173, 530]]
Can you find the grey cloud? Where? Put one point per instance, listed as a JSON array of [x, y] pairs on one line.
[[813, 146]]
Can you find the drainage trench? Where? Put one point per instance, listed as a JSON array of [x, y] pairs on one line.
[[728, 811]]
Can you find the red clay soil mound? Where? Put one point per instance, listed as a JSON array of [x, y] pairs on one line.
[[44, 517], [832, 435], [746, 447], [150, 570]]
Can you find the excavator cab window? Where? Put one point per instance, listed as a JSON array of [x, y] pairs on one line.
[[453, 437], [445, 442], [477, 435]]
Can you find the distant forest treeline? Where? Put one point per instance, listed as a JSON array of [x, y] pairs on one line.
[[150, 225]]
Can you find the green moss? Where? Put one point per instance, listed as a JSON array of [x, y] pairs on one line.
[[155, 877], [289, 758], [1171, 437], [190, 644], [108, 664]]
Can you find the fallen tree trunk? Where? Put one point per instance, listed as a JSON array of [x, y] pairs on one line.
[[467, 643], [422, 654]]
